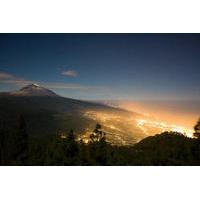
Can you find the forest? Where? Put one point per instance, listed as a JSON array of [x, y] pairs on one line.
[[18, 148]]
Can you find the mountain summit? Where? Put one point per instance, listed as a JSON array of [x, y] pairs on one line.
[[34, 90]]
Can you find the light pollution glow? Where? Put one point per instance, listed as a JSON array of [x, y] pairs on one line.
[[178, 116], [142, 123], [124, 128]]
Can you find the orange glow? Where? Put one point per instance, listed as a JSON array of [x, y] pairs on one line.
[[129, 129], [144, 124]]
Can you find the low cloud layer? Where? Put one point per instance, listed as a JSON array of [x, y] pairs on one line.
[[70, 73], [4, 76], [64, 86], [12, 79], [7, 78]]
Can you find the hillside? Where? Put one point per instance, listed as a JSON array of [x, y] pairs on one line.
[[47, 113]]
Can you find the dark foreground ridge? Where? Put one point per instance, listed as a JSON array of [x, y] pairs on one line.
[[166, 149]]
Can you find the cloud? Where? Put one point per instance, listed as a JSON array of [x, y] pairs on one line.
[[4, 76], [12, 79], [7, 78], [70, 73], [16, 81], [58, 85]]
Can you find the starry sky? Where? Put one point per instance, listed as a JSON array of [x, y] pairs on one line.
[[104, 66]]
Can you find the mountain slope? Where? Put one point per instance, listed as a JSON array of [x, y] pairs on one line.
[[47, 113]]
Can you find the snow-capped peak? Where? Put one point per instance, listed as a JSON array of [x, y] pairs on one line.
[[36, 85], [34, 90]]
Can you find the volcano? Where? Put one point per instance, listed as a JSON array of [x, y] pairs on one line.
[[34, 90], [47, 113]]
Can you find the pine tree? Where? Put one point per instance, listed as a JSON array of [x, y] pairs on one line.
[[197, 129], [98, 145], [71, 149], [97, 134], [2, 141], [19, 144]]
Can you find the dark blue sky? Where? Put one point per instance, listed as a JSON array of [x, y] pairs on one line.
[[104, 66]]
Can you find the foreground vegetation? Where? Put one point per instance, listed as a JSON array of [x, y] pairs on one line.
[[168, 148]]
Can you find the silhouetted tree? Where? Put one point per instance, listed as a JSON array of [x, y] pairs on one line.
[[97, 134], [37, 150], [63, 150], [71, 150], [19, 144], [55, 152], [84, 154], [197, 129], [2, 142], [98, 146]]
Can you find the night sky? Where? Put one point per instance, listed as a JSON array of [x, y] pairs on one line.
[[104, 66]]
